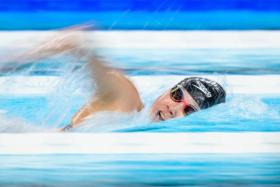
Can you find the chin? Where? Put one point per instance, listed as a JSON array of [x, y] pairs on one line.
[[153, 117]]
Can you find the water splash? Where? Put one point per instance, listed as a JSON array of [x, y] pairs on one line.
[[240, 113], [113, 121], [17, 125]]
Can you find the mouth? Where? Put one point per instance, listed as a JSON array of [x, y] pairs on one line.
[[160, 115]]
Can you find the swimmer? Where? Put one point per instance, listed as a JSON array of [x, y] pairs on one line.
[[115, 92]]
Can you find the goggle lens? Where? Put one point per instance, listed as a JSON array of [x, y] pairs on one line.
[[177, 95]]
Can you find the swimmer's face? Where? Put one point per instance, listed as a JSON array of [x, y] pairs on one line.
[[166, 108]]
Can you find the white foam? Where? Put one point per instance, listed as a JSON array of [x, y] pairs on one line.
[[153, 143], [156, 39], [28, 85], [236, 84], [3, 111]]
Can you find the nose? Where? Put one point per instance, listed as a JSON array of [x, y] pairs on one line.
[[176, 110], [171, 112]]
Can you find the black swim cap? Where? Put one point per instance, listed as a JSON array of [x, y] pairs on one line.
[[204, 91]]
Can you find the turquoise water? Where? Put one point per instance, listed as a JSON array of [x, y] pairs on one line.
[[142, 20], [233, 61], [141, 170], [243, 116], [243, 112]]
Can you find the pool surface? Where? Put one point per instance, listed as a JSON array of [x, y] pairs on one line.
[[235, 143]]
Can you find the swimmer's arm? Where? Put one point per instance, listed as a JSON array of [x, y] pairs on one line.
[[68, 40], [114, 92], [110, 82], [78, 118]]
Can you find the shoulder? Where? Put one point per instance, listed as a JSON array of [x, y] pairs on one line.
[[126, 93]]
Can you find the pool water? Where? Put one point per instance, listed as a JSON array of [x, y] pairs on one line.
[[141, 170], [256, 113], [42, 96]]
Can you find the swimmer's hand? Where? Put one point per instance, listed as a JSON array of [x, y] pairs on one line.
[[65, 40], [71, 39]]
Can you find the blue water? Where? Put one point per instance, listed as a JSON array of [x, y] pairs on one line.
[[259, 61], [241, 113], [137, 5], [140, 14], [141, 170], [154, 20]]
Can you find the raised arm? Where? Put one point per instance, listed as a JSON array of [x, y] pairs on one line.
[[114, 91]]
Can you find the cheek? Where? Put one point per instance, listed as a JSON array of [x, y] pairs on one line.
[[180, 113], [177, 109], [155, 106], [162, 101]]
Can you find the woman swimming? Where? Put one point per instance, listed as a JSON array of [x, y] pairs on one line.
[[115, 92]]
